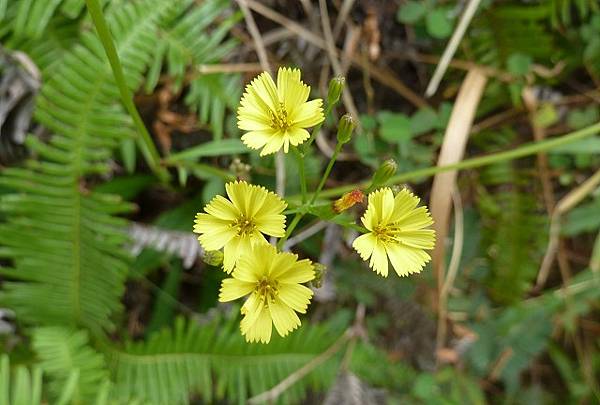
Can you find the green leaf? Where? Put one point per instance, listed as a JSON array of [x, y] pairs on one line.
[[211, 148], [438, 24], [519, 63], [584, 218], [411, 12], [423, 121], [582, 117], [585, 147], [394, 127], [546, 115]]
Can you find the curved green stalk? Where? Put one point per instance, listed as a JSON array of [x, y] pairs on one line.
[[144, 139], [525, 150]]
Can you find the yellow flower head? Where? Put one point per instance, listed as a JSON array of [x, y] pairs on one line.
[[396, 231], [273, 281], [277, 115], [239, 223]]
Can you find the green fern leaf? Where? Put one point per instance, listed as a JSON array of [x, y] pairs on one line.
[[214, 361]]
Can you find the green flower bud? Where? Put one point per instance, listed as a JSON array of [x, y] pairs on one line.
[[383, 174], [345, 128], [213, 257], [336, 86], [320, 270]]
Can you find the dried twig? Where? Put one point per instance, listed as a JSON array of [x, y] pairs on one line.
[[452, 269], [229, 68], [564, 205], [453, 148], [384, 76], [293, 378], [332, 53], [305, 234], [256, 37], [457, 36], [353, 332]]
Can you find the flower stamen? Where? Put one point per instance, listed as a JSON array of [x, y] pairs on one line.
[[280, 119]]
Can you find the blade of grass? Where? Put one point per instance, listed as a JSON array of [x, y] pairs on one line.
[[144, 139]]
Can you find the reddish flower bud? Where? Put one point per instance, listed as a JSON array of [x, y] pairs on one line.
[[348, 200]]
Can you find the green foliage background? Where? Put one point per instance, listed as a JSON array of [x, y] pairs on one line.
[[69, 276]]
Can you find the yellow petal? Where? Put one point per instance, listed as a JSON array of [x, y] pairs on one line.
[[379, 208], [216, 239], [287, 270], [291, 91], [416, 219], [308, 114], [364, 245], [248, 269], [419, 239], [263, 89], [407, 260], [257, 139], [236, 247], [209, 223], [404, 203], [222, 208], [297, 136], [284, 317], [273, 225], [273, 145], [379, 260], [259, 330], [232, 289], [295, 296], [237, 192]]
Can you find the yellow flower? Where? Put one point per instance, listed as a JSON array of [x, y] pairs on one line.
[[273, 281], [277, 115], [396, 231], [239, 223]]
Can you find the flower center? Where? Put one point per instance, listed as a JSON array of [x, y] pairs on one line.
[[280, 119], [387, 233], [244, 226], [267, 289]]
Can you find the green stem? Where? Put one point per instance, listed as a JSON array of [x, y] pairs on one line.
[[316, 129], [289, 229], [301, 171], [304, 207], [145, 142], [525, 150], [336, 152]]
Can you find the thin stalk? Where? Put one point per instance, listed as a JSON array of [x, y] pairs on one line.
[[302, 172], [304, 207], [144, 139], [525, 150], [336, 152], [316, 129]]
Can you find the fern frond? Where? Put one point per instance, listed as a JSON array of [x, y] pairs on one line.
[[514, 229], [25, 386], [64, 241], [63, 352], [194, 38], [214, 361], [508, 29]]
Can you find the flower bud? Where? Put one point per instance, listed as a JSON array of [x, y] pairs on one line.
[[320, 270], [213, 257], [348, 200], [345, 128], [336, 86], [383, 173]]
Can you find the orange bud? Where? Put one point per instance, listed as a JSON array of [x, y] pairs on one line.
[[348, 200]]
